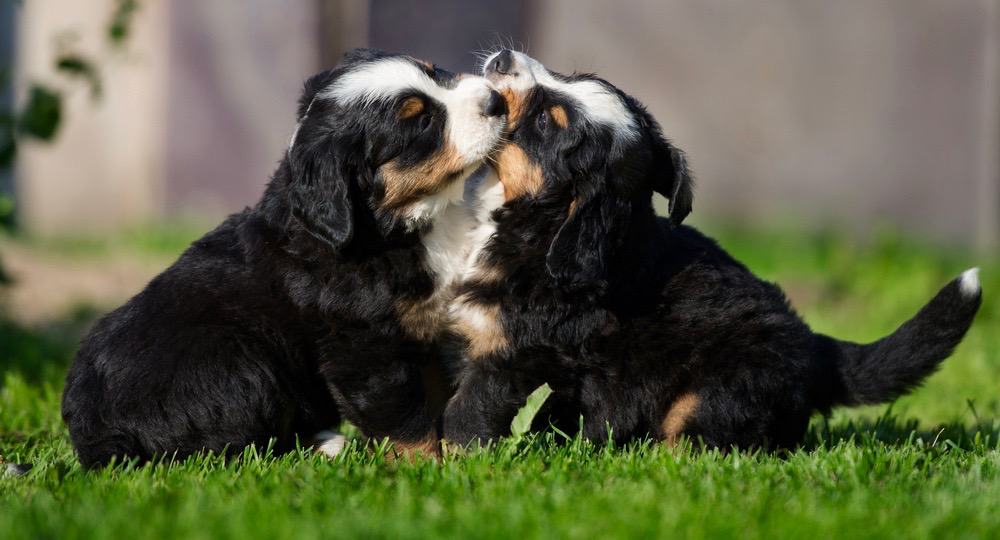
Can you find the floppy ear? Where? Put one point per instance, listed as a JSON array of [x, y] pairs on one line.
[[320, 194], [582, 251], [673, 180]]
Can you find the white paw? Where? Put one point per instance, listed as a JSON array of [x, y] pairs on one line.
[[329, 443]]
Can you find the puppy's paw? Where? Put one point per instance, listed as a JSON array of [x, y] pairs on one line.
[[16, 469], [429, 448], [329, 443]]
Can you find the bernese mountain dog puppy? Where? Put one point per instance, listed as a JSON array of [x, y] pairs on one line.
[[643, 326], [324, 301]]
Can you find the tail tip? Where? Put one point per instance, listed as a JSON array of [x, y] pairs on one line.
[[969, 283]]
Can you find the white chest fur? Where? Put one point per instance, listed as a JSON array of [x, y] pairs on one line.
[[459, 232], [479, 323]]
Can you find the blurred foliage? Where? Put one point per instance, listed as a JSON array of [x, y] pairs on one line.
[[42, 113], [121, 21], [7, 139], [153, 239], [76, 66]]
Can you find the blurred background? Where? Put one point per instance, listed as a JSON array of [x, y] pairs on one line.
[[850, 150], [826, 114]]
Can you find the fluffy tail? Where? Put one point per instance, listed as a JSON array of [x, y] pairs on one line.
[[892, 366]]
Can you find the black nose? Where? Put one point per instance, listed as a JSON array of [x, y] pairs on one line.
[[501, 64], [495, 105]]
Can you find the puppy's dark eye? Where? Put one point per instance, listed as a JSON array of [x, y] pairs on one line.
[[543, 121], [424, 122]]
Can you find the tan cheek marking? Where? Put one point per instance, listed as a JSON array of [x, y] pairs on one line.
[[519, 175], [410, 108], [558, 114], [480, 326], [515, 106], [677, 417], [404, 186]]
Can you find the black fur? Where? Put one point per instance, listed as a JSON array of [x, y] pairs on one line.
[[283, 319], [624, 313]]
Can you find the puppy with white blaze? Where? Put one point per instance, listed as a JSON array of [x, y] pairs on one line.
[[637, 322], [325, 301]]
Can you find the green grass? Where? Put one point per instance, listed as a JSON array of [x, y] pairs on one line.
[[150, 239], [927, 467]]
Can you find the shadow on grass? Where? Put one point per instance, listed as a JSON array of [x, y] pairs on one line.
[[894, 431]]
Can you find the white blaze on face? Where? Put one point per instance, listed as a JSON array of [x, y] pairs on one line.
[[469, 131], [600, 104]]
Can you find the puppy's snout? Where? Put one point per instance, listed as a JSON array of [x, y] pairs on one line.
[[501, 63], [495, 105]]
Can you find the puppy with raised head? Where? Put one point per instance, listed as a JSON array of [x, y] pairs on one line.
[[324, 301], [637, 322]]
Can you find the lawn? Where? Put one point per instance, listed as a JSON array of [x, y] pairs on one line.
[[926, 466]]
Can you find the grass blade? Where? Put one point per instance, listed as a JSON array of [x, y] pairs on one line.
[[522, 422]]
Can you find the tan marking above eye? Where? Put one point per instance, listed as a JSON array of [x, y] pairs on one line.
[[558, 114], [411, 107], [519, 175]]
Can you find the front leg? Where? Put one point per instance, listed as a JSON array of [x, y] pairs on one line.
[[388, 390], [487, 399], [609, 407]]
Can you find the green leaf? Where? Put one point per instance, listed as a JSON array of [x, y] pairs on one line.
[[8, 141], [76, 66], [7, 216], [120, 26], [522, 422], [41, 116]]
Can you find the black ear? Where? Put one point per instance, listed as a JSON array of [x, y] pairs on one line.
[[673, 180], [320, 194], [582, 251]]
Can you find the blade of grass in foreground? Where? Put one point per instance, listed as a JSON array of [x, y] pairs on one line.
[[522, 422]]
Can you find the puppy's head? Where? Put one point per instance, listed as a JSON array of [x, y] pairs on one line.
[[579, 139], [389, 137]]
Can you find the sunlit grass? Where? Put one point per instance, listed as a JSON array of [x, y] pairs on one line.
[[153, 239], [929, 467]]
